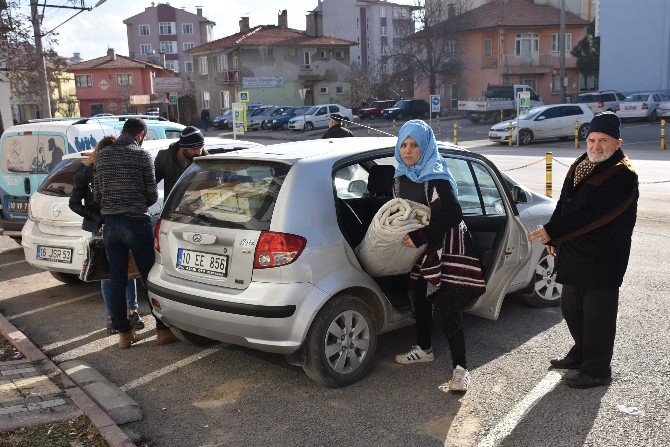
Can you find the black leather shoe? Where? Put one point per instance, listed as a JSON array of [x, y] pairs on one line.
[[584, 381], [566, 363]]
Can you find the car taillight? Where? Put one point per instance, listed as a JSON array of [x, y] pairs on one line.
[[618, 107], [277, 249], [601, 104], [645, 106], [157, 230]]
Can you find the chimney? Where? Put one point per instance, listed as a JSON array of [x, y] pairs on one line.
[[110, 54], [314, 24], [451, 11], [282, 20], [199, 10], [244, 24], [132, 55]]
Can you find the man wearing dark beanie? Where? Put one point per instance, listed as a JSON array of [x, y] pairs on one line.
[[590, 235], [171, 163]]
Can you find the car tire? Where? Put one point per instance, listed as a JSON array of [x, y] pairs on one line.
[[67, 278], [335, 361], [191, 338], [525, 137], [474, 120], [400, 116], [284, 126], [309, 126], [653, 117], [264, 125], [583, 131], [543, 290]]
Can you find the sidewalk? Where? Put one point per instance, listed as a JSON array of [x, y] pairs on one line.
[[34, 391]]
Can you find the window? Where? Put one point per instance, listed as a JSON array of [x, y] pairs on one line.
[[188, 66], [382, 12], [144, 30], [322, 54], [323, 90], [225, 99], [172, 65], [188, 45], [124, 79], [507, 80], [571, 111], [205, 100], [306, 60], [169, 47], [339, 54], [223, 63], [556, 83], [555, 42], [490, 200], [83, 81], [450, 49], [166, 28], [527, 44], [488, 47], [339, 90], [529, 79], [145, 48], [187, 28], [202, 62], [382, 31]]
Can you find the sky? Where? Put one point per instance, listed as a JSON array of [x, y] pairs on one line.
[[92, 32]]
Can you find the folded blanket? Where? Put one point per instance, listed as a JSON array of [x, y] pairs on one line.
[[382, 253]]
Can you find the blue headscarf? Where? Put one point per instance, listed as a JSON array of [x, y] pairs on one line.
[[431, 164]]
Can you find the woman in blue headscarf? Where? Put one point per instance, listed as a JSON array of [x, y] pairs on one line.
[[447, 277]]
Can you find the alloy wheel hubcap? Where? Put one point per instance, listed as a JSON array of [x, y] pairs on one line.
[[346, 342]]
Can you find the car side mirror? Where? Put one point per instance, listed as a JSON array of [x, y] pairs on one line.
[[358, 187], [519, 194], [541, 118]]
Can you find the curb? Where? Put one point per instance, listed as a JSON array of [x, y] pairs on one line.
[[114, 436]]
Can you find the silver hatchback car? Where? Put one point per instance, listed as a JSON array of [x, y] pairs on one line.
[[256, 248]]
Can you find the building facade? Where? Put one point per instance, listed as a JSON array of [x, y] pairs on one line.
[[162, 34], [113, 84], [378, 26], [509, 42], [275, 64]]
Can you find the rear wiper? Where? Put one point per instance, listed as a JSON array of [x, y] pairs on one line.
[[60, 190]]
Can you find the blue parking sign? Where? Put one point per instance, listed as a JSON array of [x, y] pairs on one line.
[[434, 103]]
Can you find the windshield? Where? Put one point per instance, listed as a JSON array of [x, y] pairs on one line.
[[267, 112], [532, 113], [587, 98], [290, 111], [227, 194], [401, 103], [636, 98], [311, 111]]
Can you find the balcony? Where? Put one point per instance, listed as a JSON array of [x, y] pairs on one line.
[[490, 62], [310, 73], [535, 63], [227, 77]]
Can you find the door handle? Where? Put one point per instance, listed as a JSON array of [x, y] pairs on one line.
[[26, 185]]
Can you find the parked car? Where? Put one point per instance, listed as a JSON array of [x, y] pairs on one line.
[[407, 108], [281, 121], [158, 128], [604, 100], [153, 111], [219, 120], [52, 238], [554, 121], [255, 248], [318, 116], [227, 121], [664, 107], [261, 121], [374, 110], [640, 106]]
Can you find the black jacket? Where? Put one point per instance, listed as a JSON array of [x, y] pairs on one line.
[[168, 168], [337, 131], [82, 191], [593, 224]]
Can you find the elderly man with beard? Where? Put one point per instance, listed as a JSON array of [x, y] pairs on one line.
[[171, 163], [590, 235]]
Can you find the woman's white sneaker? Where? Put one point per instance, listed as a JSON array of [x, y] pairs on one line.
[[415, 355], [459, 381]]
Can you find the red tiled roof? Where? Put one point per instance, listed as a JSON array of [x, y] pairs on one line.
[[271, 35], [512, 13], [106, 62]]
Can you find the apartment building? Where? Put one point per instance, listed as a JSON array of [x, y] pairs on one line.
[[162, 34]]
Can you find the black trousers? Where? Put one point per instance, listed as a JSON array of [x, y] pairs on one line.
[[591, 318], [447, 307]]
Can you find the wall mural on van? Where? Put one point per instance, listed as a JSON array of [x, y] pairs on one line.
[[32, 154], [85, 143]]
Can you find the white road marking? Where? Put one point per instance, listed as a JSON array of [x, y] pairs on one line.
[[510, 421], [51, 306], [12, 263], [94, 346], [58, 344], [168, 369]]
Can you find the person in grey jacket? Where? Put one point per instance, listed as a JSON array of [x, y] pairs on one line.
[[171, 163]]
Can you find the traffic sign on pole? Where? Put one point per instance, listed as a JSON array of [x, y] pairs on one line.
[[244, 96], [434, 103]]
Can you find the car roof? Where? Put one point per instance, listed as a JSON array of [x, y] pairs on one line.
[[62, 125]]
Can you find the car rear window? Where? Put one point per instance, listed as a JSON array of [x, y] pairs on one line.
[[587, 98], [60, 182], [227, 194]]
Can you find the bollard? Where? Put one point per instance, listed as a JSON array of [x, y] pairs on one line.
[[368, 130], [502, 115], [394, 130], [663, 134], [455, 133], [576, 134], [439, 128], [548, 174], [509, 129]]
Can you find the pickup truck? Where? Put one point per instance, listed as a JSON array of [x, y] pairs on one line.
[[498, 103]]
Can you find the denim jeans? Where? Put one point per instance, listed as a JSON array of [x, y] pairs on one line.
[[123, 233], [131, 296]]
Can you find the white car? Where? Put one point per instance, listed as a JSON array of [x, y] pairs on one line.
[[318, 116], [52, 238], [546, 122], [640, 106]]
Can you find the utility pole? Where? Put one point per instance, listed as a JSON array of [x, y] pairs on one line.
[[43, 88], [561, 50]]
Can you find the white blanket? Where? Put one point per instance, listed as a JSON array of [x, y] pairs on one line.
[[382, 252]]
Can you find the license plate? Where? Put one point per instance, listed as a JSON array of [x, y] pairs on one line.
[[200, 262], [17, 207], [54, 254], [630, 108]]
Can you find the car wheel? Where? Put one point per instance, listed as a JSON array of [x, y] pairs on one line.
[[525, 137], [401, 116], [264, 125], [653, 117], [285, 126], [544, 291], [583, 131], [194, 339], [474, 120], [67, 278], [341, 342], [309, 126]]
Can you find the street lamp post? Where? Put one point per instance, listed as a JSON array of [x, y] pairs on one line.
[[45, 97]]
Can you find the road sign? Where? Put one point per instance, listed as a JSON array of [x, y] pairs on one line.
[[435, 103], [524, 100], [244, 96], [172, 96], [239, 118]]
